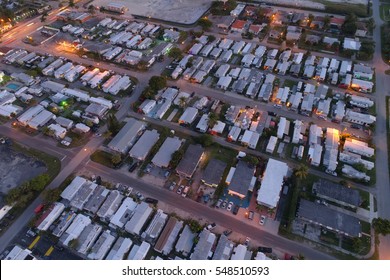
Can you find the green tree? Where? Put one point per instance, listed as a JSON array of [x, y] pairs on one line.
[[182, 102], [142, 65], [51, 195], [148, 93], [205, 23], [74, 243], [301, 172], [349, 27], [211, 38], [381, 226], [176, 157], [206, 140], [371, 24], [194, 225], [113, 124], [157, 82], [175, 53], [252, 160], [71, 3], [116, 159], [39, 183], [212, 120], [91, 9]]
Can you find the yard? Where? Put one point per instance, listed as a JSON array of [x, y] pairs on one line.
[[103, 158], [385, 12]]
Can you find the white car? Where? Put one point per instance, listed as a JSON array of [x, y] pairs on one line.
[[230, 206], [262, 220]]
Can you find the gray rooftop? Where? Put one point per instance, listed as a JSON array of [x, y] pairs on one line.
[[83, 195], [164, 154], [190, 160], [204, 245], [186, 241], [110, 205], [141, 149], [224, 249], [337, 192], [97, 199], [242, 178], [320, 214], [212, 175], [127, 136]]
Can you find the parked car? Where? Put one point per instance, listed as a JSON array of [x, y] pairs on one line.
[[140, 196], [39, 208], [247, 241], [133, 166], [250, 215], [224, 204], [211, 226], [180, 189], [227, 232], [230, 206], [235, 209], [265, 249], [31, 233], [166, 174], [151, 200], [172, 186], [262, 220], [219, 202]]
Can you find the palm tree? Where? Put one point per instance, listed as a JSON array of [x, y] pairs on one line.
[[301, 172], [212, 120], [182, 101]]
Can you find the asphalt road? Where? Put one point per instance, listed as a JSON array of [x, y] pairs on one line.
[[382, 161], [200, 210]]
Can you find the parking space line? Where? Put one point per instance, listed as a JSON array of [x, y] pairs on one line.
[[34, 242], [49, 251]]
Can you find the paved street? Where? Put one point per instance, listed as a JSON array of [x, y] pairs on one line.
[[382, 163], [202, 211]]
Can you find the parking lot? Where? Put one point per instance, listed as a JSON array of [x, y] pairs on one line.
[[16, 168]]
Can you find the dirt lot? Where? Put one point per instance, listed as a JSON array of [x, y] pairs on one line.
[[180, 11], [16, 168]]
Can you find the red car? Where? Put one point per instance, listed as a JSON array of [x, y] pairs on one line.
[[39, 208]]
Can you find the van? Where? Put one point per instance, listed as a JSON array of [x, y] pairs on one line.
[[251, 214]]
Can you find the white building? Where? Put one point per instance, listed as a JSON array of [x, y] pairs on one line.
[[358, 147], [75, 229], [56, 209], [139, 252], [120, 248], [272, 183], [123, 214]]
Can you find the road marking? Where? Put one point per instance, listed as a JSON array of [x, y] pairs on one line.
[[34, 242], [64, 157], [49, 251]]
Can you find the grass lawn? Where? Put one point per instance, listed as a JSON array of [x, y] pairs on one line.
[[342, 8], [289, 83], [102, 157], [365, 196], [385, 12], [224, 154], [366, 227], [77, 139], [359, 246], [330, 238]]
